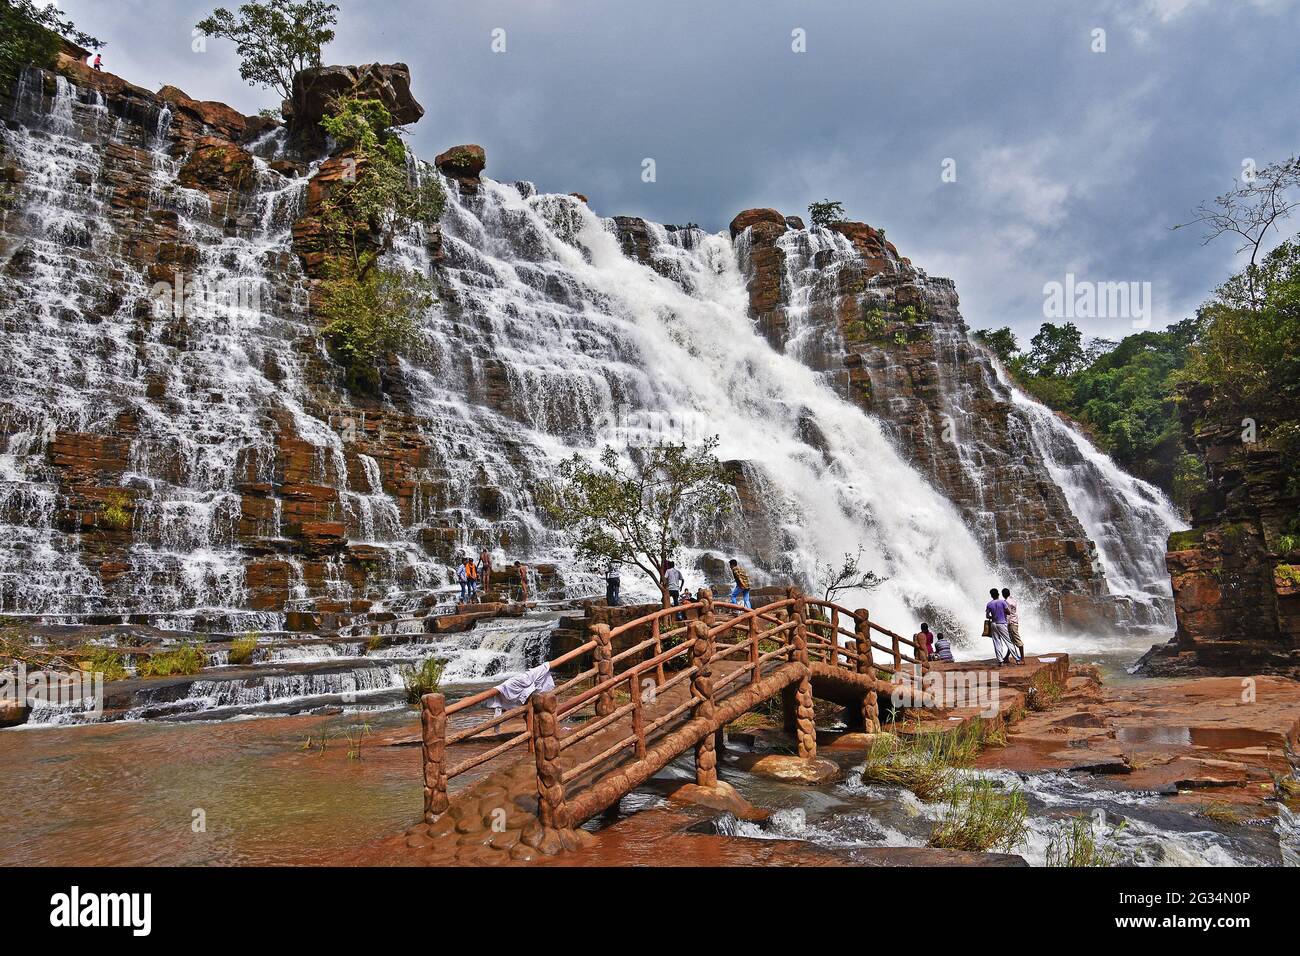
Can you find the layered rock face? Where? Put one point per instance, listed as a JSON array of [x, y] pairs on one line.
[[174, 437], [1236, 573], [893, 342], [177, 440]]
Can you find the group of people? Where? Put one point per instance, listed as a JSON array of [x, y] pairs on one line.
[[675, 584], [1001, 622], [475, 577]]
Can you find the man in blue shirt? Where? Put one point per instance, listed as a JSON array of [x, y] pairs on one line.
[[996, 613]]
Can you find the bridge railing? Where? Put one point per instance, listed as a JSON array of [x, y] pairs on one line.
[[683, 645]]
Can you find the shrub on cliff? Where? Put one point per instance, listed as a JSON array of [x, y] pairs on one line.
[[368, 312], [826, 212], [29, 35]]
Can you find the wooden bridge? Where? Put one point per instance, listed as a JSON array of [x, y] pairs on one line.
[[701, 667]]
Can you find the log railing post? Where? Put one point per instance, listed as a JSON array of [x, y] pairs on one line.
[[706, 612], [546, 750], [754, 669], [862, 640], [805, 721], [604, 655], [433, 744], [656, 630], [835, 638], [706, 758], [898, 655], [638, 715]]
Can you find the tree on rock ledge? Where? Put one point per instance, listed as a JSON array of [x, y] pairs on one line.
[[275, 39], [631, 510]]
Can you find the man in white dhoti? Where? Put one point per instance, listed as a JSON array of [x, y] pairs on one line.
[[520, 688]]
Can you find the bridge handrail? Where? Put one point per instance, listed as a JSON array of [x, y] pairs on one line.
[[785, 622]]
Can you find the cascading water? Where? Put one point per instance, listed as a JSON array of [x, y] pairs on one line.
[[1128, 519], [548, 338], [596, 346]]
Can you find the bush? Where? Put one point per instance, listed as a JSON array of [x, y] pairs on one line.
[[242, 648], [367, 314], [188, 658], [100, 660], [422, 680], [117, 513], [980, 817]]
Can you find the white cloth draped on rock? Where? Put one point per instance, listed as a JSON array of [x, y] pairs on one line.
[[518, 689]]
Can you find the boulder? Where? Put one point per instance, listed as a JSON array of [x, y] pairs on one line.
[[749, 217], [316, 87], [790, 769], [462, 162]]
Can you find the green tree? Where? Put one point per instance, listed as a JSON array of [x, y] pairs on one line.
[[275, 39], [631, 509], [1056, 350], [1001, 342], [29, 35], [826, 212]]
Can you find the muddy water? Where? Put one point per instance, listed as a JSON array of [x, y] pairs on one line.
[[131, 793]]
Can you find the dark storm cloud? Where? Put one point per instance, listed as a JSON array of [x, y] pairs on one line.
[[1067, 160]]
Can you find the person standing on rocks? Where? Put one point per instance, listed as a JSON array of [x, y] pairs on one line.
[[674, 582], [740, 593], [612, 582], [99, 62], [463, 580], [521, 575], [485, 570], [471, 576], [995, 612], [1013, 625]]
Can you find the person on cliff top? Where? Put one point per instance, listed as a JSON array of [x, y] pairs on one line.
[[485, 569], [674, 582], [612, 582], [471, 576], [740, 593], [942, 649], [924, 642], [995, 613], [1013, 625], [521, 573], [98, 63]]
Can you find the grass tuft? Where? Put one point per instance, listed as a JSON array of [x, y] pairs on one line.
[[1076, 845], [188, 658], [423, 679], [981, 816], [242, 648]]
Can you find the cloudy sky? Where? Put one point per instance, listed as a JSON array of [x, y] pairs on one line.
[[1067, 160]]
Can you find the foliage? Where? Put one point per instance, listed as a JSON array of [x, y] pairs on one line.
[[423, 679], [1001, 342], [1125, 395], [369, 309], [275, 39], [1246, 363], [1044, 692], [1076, 845], [100, 660], [368, 314], [188, 658], [980, 816], [848, 576], [631, 509], [117, 513], [29, 35], [826, 212], [242, 648]]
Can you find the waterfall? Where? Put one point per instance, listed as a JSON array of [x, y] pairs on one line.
[[1128, 519], [587, 335], [547, 339]]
